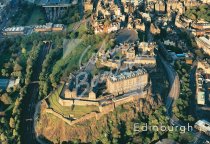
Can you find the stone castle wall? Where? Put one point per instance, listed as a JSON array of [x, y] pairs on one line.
[[64, 102], [82, 102], [70, 102], [107, 108], [124, 100], [58, 115], [103, 109]]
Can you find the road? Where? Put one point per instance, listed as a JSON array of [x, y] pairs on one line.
[[91, 63], [174, 94], [193, 88], [174, 85], [27, 127]]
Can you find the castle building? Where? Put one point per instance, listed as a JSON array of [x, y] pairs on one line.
[[203, 43], [131, 53], [127, 81]]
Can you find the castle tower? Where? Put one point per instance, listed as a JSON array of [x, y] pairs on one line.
[[92, 95], [70, 94]]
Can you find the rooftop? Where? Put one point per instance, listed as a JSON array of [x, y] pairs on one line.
[[205, 40], [127, 75], [54, 1], [15, 29], [204, 124]]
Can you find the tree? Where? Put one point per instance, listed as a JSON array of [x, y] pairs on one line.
[[15, 133], [173, 135], [186, 138], [3, 137], [6, 99], [3, 72], [3, 120], [9, 89], [23, 50], [12, 122], [17, 67]]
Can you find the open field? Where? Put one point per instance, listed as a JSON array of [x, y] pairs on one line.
[[76, 111]]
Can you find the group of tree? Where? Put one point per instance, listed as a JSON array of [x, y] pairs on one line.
[[199, 12], [182, 107], [71, 15], [18, 58], [11, 130], [45, 85]]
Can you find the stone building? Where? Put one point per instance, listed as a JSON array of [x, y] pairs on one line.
[[147, 48], [201, 25], [127, 81], [203, 43], [139, 25], [182, 22], [48, 27], [154, 29], [133, 2], [14, 31], [143, 60], [175, 5], [130, 54], [160, 7], [202, 32], [130, 5], [88, 5]]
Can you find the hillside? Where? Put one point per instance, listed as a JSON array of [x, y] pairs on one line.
[[116, 127]]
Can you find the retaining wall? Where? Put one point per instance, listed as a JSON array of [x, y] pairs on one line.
[[103, 109]]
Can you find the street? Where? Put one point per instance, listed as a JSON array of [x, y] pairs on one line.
[[174, 94], [174, 83]]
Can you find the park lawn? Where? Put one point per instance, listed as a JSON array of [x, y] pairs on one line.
[[73, 62], [77, 111], [37, 17], [82, 29]]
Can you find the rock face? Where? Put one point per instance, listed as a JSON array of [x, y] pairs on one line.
[[57, 131]]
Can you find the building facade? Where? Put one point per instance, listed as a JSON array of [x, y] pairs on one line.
[[203, 43], [127, 81]]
